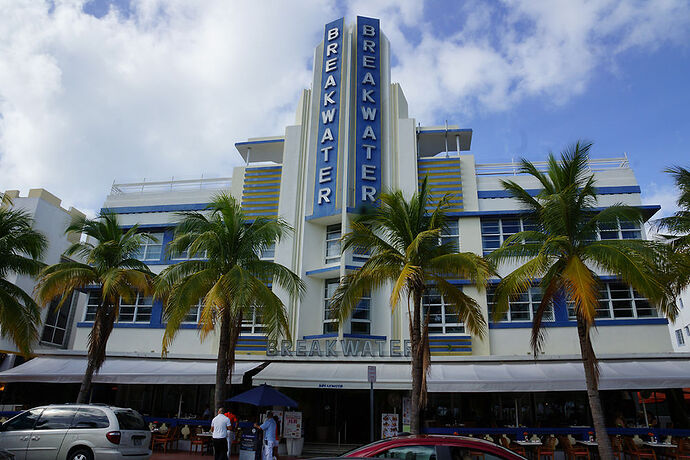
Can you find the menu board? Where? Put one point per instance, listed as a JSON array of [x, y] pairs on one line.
[[389, 425], [292, 425]]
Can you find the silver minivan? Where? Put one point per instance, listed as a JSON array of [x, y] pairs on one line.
[[76, 432]]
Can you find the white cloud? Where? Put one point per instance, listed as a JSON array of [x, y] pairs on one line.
[[170, 87], [165, 91]]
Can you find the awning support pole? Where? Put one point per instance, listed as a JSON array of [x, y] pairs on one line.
[[644, 411], [371, 411]]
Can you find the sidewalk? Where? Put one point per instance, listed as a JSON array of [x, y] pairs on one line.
[[158, 455]]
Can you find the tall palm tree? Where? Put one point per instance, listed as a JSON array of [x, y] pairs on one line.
[[403, 240], [21, 248], [564, 253], [232, 280], [675, 253], [109, 256]]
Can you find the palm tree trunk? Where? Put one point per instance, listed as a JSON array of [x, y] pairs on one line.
[[417, 363], [98, 341], [591, 379], [222, 363]]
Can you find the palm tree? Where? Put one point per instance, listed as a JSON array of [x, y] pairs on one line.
[[563, 252], [21, 248], [403, 240], [679, 223], [110, 260], [232, 280]]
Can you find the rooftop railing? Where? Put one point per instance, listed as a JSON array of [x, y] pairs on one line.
[[513, 169], [203, 183]]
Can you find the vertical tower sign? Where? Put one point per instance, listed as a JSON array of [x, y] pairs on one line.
[[325, 200], [368, 116]]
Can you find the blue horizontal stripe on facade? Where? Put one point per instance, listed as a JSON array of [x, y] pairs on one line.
[[156, 208], [534, 192], [263, 188], [260, 202], [262, 180], [434, 185], [139, 325], [359, 259], [259, 214], [323, 270], [247, 196], [598, 323], [435, 171], [252, 348], [249, 207], [365, 336], [320, 336], [267, 169], [434, 176], [516, 212]]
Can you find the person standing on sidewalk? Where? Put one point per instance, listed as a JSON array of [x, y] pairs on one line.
[[269, 429], [219, 426]]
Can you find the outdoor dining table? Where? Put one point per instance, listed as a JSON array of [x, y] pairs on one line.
[[660, 444], [209, 444], [531, 444], [588, 443]]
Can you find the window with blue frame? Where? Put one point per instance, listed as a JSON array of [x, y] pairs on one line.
[[619, 301], [619, 230], [521, 307], [137, 311], [496, 230], [442, 317], [269, 253], [333, 234], [330, 320], [451, 234], [194, 313], [151, 250], [360, 323], [253, 324]]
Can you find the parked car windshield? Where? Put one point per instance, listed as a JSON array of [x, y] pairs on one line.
[[130, 420], [23, 421]]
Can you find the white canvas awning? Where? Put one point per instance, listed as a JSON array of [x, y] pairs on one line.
[[391, 376], [488, 376], [123, 371]]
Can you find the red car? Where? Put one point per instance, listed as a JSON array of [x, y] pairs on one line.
[[434, 447]]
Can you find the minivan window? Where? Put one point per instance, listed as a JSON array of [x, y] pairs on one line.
[[89, 417], [130, 420], [24, 421], [55, 418]]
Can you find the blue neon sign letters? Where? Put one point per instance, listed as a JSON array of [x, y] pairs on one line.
[[368, 116], [325, 196]]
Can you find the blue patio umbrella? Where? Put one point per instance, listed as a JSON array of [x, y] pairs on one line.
[[263, 395]]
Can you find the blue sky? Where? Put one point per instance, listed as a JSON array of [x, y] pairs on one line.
[[103, 90]]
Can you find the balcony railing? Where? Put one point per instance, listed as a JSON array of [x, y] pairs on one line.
[[203, 183], [513, 169]]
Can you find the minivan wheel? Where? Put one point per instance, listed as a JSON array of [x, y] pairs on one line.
[[80, 453]]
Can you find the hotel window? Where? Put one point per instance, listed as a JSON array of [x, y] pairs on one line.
[[619, 301], [92, 305], [619, 230], [269, 253], [360, 323], [496, 231], [139, 311], [451, 234], [200, 255], [679, 337], [333, 233], [194, 313], [55, 324], [442, 317], [330, 320], [151, 249], [521, 307], [252, 324]]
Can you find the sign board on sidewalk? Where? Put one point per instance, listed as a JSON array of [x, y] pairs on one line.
[[371, 374], [292, 425], [389, 425]]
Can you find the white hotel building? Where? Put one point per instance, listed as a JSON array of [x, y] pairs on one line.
[[353, 137]]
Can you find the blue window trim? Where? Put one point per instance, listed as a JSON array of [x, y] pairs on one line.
[[613, 190], [598, 323], [347, 336], [156, 208], [89, 324], [647, 209]]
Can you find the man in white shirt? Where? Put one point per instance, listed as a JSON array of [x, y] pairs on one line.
[[219, 426], [269, 429]]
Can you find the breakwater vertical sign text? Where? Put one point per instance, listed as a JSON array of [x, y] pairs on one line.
[[325, 196], [368, 116]]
